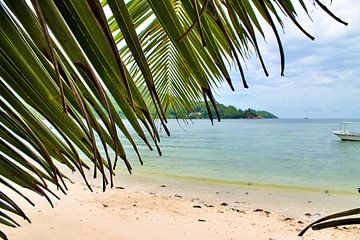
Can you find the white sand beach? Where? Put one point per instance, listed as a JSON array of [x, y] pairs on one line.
[[160, 208]]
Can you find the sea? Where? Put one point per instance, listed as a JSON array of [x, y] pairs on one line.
[[282, 153]]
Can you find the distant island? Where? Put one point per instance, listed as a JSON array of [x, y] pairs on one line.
[[226, 112]]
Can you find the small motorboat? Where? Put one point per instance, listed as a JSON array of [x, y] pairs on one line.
[[345, 133]]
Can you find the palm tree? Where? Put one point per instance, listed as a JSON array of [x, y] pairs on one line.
[[76, 63]]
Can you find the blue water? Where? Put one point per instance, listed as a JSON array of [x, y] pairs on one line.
[[301, 153]]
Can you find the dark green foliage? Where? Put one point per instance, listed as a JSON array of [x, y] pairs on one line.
[[226, 112], [82, 84]]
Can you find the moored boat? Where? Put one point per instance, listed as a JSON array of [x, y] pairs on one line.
[[345, 133]]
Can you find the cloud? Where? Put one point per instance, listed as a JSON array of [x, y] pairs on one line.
[[322, 78]]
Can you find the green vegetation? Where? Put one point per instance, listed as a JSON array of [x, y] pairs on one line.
[[66, 60], [226, 112]]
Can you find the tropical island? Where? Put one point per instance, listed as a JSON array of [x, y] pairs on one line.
[[84, 66], [226, 112]]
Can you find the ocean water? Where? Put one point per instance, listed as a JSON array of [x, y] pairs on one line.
[[284, 153]]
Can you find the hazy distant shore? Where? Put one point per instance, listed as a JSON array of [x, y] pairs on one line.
[[149, 207]]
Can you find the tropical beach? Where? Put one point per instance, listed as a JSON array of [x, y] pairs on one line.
[[163, 208], [192, 200], [179, 119]]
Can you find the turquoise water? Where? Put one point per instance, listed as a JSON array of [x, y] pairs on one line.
[[300, 153]]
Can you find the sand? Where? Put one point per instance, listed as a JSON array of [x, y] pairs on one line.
[[158, 208]]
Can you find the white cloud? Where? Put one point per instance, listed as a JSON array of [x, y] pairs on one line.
[[322, 78]]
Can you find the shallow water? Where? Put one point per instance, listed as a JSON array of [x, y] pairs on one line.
[[287, 153]]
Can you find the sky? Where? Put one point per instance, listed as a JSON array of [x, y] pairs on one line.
[[322, 77]]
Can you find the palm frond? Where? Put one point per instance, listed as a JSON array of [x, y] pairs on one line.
[[68, 67], [326, 223]]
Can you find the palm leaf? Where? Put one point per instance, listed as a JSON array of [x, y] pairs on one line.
[[66, 71], [325, 223]]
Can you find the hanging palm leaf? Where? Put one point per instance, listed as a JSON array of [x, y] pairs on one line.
[[340, 220], [68, 66]]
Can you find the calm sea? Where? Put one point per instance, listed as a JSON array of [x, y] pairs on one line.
[[289, 153]]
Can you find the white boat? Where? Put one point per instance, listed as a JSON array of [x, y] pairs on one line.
[[345, 134]]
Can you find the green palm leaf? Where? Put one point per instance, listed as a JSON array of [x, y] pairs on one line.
[[325, 223], [66, 70]]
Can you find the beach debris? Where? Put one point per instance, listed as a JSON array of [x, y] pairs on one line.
[[258, 210], [288, 219], [208, 205], [120, 188], [246, 193], [224, 204], [238, 210], [134, 205], [105, 205], [267, 212], [249, 183], [217, 193], [300, 222], [201, 220], [196, 206], [178, 196], [309, 201], [163, 185], [308, 214], [327, 191]]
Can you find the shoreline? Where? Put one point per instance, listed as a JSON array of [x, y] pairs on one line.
[[153, 207], [249, 184]]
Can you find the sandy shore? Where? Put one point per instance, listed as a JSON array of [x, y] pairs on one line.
[[159, 208]]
